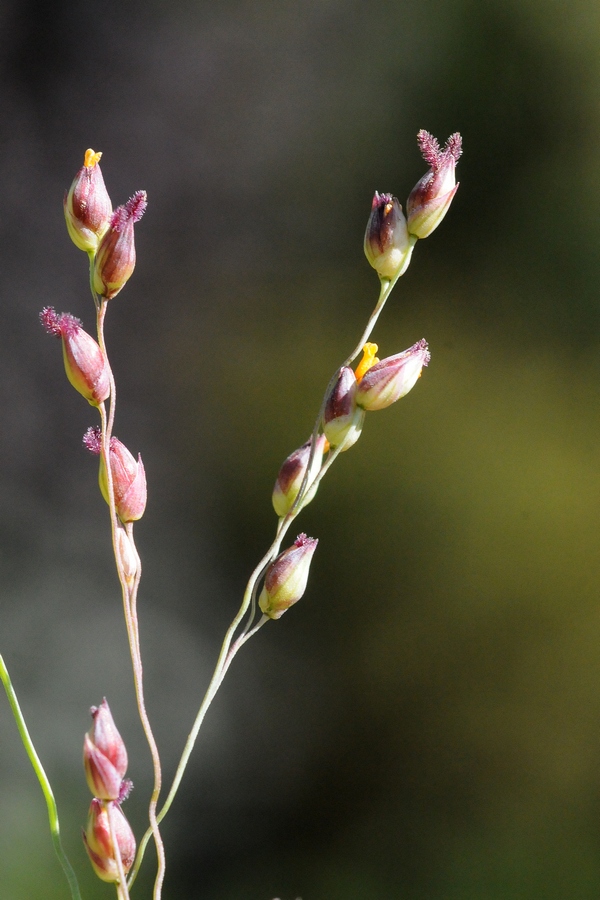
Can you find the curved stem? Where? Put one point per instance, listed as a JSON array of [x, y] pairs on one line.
[[43, 780], [239, 642], [129, 597]]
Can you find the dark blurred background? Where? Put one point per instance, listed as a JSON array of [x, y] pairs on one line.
[[424, 725]]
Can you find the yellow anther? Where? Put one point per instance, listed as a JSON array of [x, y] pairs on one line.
[[326, 447], [91, 158], [369, 359]]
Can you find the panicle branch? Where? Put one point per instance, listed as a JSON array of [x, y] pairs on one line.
[[108, 238], [389, 242]]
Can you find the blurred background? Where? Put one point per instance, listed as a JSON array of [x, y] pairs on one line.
[[425, 724]]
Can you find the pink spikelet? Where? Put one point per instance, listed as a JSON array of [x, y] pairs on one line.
[[115, 260], [432, 195], [85, 363], [87, 205]]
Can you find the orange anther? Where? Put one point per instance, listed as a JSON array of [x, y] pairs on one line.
[[91, 159], [369, 359]]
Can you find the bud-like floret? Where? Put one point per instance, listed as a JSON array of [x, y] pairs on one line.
[[431, 196], [115, 260], [388, 246], [104, 755], [129, 482], [392, 378], [99, 844], [128, 476], [286, 578], [85, 363], [291, 475], [128, 560], [342, 418], [87, 205]]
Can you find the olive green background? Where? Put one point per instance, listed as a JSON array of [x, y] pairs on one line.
[[424, 725]]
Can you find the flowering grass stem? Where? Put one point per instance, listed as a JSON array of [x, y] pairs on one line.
[[386, 287], [129, 596], [230, 646], [107, 236]]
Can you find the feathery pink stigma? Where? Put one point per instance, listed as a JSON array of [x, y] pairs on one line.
[[92, 440], [50, 320], [302, 540], [136, 205], [119, 219], [69, 325], [64, 325], [453, 146], [132, 211], [430, 149], [423, 346]]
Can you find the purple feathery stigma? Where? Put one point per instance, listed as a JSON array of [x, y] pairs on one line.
[[132, 211], [59, 325], [92, 440], [430, 149]]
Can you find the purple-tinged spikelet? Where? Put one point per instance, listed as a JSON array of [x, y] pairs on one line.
[[99, 844], [291, 475], [128, 476], [387, 243], [104, 755], [430, 198], [87, 206], [286, 578], [342, 418], [85, 363], [392, 378], [115, 260]]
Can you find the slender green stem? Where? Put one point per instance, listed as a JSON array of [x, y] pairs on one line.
[[43, 780], [387, 286]]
